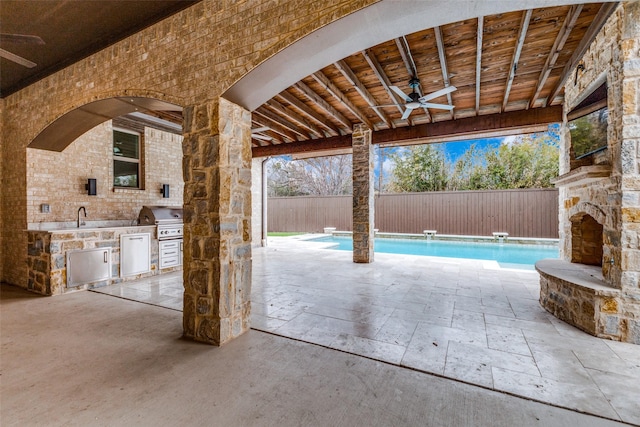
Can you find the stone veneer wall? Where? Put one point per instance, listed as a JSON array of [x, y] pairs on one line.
[[58, 178], [363, 195], [217, 222], [614, 200]]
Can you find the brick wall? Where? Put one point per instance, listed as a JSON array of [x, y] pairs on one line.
[[58, 179]]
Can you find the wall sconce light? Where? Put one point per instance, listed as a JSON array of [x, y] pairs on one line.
[[91, 186], [165, 191], [580, 68]]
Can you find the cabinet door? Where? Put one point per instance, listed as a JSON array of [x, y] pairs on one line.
[[87, 266], [135, 254]]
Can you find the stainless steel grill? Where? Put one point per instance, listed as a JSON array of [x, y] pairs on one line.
[[168, 220], [157, 215], [169, 223]]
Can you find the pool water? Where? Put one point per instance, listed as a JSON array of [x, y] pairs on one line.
[[509, 255]]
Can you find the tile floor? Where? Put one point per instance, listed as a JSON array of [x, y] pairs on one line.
[[461, 319]]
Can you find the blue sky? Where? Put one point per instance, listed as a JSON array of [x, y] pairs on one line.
[[457, 148]]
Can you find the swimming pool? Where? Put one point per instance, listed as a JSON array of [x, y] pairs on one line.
[[508, 255]]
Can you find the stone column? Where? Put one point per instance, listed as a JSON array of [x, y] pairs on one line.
[[363, 195], [217, 221]]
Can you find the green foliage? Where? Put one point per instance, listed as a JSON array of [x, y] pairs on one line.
[[529, 161], [419, 168]]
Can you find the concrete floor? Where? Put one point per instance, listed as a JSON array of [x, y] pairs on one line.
[[89, 359]]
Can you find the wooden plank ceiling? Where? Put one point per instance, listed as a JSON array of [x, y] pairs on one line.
[[500, 65]]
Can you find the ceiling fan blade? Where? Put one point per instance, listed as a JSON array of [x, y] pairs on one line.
[[438, 93], [17, 59], [406, 114], [438, 106], [20, 39], [403, 95]]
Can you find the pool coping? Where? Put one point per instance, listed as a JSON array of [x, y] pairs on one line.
[[456, 237]]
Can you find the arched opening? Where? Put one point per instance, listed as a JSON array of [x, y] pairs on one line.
[[131, 150], [68, 127], [586, 240]]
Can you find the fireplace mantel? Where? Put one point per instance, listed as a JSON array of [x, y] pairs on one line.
[[583, 175]]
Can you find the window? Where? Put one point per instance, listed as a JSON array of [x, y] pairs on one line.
[[126, 159]]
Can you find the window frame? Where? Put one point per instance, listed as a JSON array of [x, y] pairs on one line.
[[138, 161]]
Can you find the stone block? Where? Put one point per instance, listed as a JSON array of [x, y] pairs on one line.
[[612, 325], [633, 331], [609, 305]]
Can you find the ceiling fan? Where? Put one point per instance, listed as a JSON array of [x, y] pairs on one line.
[[256, 133], [19, 39], [414, 100]]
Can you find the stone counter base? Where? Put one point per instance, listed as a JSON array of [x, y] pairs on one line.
[[578, 295], [47, 256]]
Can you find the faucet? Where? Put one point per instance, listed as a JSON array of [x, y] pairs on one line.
[[85, 215]]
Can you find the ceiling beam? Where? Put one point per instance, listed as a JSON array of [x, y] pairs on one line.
[[309, 112], [596, 25], [262, 120], [346, 71], [283, 122], [295, 118], [509, 123], [371, 59], [326, 144], [558, 44], [258, 129], [479, 36], [443, 63], [317, 99], [524, 26], [522, 121], [337, 93]]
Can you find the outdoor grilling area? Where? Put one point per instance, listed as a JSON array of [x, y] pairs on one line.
[[63, 259]]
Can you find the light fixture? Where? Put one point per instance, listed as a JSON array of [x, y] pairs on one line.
[[91, 186], [165, 191]]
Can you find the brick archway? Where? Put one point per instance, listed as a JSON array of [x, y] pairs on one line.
[[63, 130]]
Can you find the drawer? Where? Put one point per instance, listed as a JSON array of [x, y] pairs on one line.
[[169, 245], [169, 252], [169, 261]]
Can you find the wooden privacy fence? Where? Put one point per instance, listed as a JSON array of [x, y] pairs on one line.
[[521, 213]]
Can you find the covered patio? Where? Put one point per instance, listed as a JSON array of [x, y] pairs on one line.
[[464, 320]]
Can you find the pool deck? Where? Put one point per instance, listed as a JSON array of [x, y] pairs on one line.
[[464, 320]]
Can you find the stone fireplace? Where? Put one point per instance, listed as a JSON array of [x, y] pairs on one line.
[[586, 240], [595, 286]]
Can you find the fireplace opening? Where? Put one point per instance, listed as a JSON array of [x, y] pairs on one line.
[[586, 240]]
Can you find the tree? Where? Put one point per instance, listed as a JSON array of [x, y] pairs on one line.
[[526, 161], [531, 161], [419, 168], [320, 176]]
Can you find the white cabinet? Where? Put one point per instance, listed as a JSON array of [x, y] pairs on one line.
[[170, 253], [135, 254]]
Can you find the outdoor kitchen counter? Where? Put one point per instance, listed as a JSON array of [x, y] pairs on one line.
[[47, 255]]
